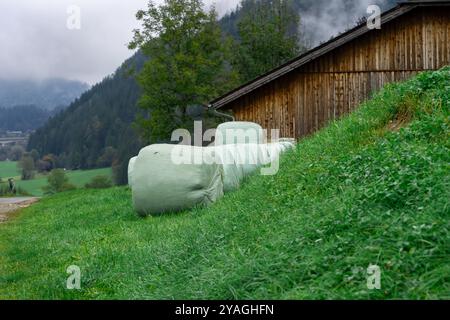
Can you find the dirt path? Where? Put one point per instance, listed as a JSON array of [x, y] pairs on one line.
[[10, 205]]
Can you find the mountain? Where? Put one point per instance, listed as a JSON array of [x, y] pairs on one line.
[[23, 118], [46, 94], [96, 125]]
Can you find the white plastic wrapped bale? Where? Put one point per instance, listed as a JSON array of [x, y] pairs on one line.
[[163, 182], [289, 140], [130, 171], [239, 161], [251, 157], [239, 132], [276, 149], [227, 156], [287, 143], [242, 160]]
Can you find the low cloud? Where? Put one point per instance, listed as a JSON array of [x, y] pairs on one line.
[[36, 43], [328, 18]]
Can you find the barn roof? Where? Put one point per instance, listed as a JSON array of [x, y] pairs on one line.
[[399, 10]]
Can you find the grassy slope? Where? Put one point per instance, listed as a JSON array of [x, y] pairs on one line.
[[34, 187], [355, 194]]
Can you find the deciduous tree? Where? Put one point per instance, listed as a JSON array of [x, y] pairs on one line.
[[26, 164], [188, 64]]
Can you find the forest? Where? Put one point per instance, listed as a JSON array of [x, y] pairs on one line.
[[23, 118]]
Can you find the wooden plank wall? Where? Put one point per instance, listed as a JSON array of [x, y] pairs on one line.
[[304, 100]]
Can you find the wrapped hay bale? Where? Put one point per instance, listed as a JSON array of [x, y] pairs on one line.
[[239, 133], [288, 140], [239, 161], [232, 173], [251, 157], [170, 178], [275, 150], [287, 143], [130, 171]]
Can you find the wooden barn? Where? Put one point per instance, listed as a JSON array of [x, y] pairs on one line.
[[302, 95]]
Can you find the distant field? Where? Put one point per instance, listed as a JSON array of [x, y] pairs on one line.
[[34, 187], [78, 178], [8, 169]]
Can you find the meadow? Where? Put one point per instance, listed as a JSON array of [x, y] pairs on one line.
[[8, 169], [371, 189]]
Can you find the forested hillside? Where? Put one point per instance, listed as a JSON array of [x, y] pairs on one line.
[[23, 118], [319, 20], [46, 94]]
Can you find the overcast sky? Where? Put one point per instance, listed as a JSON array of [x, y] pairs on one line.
[[35, 42]]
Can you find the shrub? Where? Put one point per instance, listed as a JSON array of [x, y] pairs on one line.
[[58, 182], [99, 182], [6, 192], [26, 164]]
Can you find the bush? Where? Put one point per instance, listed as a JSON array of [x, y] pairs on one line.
[[26, 164], [99, 182], [6, 192], [16, 153], [58, 182]]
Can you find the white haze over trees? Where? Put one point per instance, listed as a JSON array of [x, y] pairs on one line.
[[327, 18]]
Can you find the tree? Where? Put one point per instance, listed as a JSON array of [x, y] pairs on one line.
[[188, 64], [57, 182], [35, 155], [268, 36], [26, 164], [16, 153], [47, 163], [107, 158]]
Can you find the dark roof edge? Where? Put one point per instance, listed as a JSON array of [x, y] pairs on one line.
[[400, 9]]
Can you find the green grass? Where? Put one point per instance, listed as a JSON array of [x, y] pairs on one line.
[[78, 177], [8, 169], [357, 193]]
